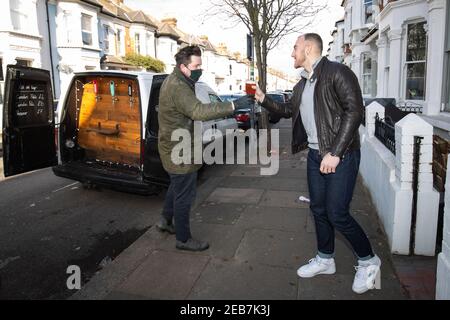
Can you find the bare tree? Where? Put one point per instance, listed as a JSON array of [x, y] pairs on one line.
[[268, 21]]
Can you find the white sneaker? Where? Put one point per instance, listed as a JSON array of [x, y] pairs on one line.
[[317, 266], [368, 275]]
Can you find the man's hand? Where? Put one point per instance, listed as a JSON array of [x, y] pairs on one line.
[[244, 102], [329, 164], [259, 95]]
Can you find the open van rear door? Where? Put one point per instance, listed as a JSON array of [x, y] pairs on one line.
[[28, 121]]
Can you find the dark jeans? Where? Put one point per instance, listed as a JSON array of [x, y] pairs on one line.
[[330, 196], [177, 205]]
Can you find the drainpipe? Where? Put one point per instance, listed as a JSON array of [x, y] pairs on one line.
[[50, 47]]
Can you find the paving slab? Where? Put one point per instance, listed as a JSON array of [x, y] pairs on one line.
[[220, 213], [282, 184], [276, 248], [114, 273], [286, 219], [283, 199], [236, 195], [239, 280], [223, 239], [160, 277]]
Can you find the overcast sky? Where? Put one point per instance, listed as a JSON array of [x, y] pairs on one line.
[[190, 20]]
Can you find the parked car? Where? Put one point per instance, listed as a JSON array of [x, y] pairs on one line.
[[207, 95], [105, 133], [242, 116], [277, 97]]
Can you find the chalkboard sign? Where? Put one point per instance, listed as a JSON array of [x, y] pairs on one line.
[[31, 104]]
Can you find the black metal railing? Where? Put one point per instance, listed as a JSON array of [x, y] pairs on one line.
[[385, 132], [415, 187], [410, 107]]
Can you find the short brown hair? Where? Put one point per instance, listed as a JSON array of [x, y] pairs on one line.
[[314, 37], [184, 55]]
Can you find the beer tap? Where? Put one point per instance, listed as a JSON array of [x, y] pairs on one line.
[[130, 95], [112, 88], [97, 96]]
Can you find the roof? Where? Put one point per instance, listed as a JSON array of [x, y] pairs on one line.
[[140, 17], [167, 30]]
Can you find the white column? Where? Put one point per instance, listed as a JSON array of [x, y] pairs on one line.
[[396, 63], [427, 198], [371, 112], [443, 266], [435, 56], [381, 44]]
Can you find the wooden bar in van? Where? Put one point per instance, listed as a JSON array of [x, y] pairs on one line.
[[99, 119]]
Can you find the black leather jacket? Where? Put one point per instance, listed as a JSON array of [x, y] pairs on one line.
[[338, 106]]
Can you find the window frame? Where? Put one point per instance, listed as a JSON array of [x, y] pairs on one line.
[[85, 31], [137, 43], [367, 4], [367, 74], [446, 77], [21, 16], [119, 41], [106, 29], [406, 63]]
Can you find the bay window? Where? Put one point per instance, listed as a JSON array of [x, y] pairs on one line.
[[416, 49]]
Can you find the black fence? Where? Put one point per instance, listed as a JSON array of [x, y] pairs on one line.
[[410, 107], [385, 132], [394, 111]]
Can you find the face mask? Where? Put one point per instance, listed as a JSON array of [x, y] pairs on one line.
[[196, 74]]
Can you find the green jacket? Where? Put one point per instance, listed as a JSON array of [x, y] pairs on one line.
[[179, 108]]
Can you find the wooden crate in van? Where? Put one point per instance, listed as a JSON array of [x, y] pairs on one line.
[[109, 127]]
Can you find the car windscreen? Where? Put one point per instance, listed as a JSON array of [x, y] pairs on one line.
[[276, 97]]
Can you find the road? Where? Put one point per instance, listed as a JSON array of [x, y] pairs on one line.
[[49, 223]]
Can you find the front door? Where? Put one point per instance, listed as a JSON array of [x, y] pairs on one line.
[[28, 120]]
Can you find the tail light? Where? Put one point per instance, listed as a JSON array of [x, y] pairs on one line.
[[242, 117]]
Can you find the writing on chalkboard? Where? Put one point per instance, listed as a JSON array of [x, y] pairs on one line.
[[31, 105]]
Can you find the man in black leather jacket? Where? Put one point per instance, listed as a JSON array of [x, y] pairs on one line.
[[326, 110]]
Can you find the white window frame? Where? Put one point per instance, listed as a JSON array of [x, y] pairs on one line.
[[21, 15], [137, 43], [106, 46], [85, 31], [367, 74], [446, 82], [119, 41], [365, 4], [406, 63]]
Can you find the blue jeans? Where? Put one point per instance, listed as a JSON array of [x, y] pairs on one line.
[[177, 205], [330, 196]]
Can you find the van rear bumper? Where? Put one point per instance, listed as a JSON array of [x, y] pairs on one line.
[[106, 177]]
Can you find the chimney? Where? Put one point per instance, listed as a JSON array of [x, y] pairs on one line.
[[222, 48], [170, 21]]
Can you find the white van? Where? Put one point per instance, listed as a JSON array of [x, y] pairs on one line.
[[106, 130]]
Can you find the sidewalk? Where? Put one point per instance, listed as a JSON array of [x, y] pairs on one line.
[[258, 234]]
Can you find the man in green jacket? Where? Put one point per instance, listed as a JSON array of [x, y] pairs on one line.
[[178, 109]]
